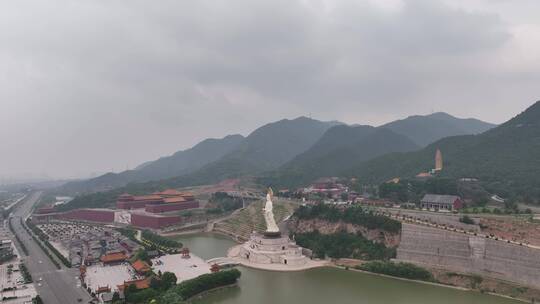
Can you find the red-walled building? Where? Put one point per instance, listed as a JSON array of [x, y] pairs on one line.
[[140, 219], [45, 210], [91, 215], [143, 220], [128, 202], [168, 207]]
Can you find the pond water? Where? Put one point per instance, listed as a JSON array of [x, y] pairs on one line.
[[323, 285]]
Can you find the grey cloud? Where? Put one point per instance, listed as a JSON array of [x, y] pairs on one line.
[[104, 84]]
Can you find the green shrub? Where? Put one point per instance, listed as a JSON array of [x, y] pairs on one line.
[[401, 270], [205, 282], [467, 220], [343, 245], [353, 215], [159, 240]]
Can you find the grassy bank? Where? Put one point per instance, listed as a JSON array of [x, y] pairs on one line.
[[400, 270]]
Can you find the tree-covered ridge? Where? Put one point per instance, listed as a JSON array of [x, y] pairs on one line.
[[353, 215], [424, 130], [180, 163], [505, 159], [335, 151], [344, 245]]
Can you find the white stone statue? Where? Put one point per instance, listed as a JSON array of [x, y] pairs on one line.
[[271, 226]]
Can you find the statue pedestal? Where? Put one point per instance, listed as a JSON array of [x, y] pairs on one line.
[[272, 249], [271, 234]]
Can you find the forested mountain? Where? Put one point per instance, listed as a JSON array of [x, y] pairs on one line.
[[336, 151], [506, 159], [286, 152], [180, 163], [267, 148], [427, 129]]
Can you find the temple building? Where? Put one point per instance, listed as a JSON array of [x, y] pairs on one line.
[[137, 217], [158, 202]]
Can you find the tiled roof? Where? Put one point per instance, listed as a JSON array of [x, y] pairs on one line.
[[103, 289], [169, 192], [141, 266], [140, 284], [146, 197], [177, 199], [113, 257]]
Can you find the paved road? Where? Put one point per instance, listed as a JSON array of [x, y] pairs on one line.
[[57, 285]]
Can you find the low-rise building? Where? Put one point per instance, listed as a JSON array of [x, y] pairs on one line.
[[441, 202], [158, 202]]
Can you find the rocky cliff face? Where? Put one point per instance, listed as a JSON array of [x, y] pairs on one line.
[[326, 227]]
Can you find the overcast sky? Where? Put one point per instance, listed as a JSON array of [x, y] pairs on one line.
[[94, 86]]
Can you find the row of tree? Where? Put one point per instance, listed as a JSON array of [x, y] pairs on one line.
[[158, 241], [27, 277], [401, 270], [45, 240], [163, 289], [21, 244], [40, 244]]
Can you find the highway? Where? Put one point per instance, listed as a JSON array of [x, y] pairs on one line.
[[57, 285]]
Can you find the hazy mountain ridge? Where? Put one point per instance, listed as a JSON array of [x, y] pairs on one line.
[[424, 130], [180, 163], [506, 158], [266, 148], [334, 153], [288, 143]]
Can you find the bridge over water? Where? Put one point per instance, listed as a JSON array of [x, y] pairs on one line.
[[222, 262]]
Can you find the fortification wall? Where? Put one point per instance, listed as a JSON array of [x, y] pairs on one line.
[[469, 254]]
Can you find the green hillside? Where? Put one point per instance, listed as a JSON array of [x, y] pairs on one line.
[[506, 159], [180, 163], [267, 148], [336, 151], [251, 218]]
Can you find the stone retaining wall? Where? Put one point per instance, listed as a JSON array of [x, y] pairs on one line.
[[449, 220], [469, 254]]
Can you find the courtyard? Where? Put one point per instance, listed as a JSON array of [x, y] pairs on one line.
[[183, 268], [109, 276]]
